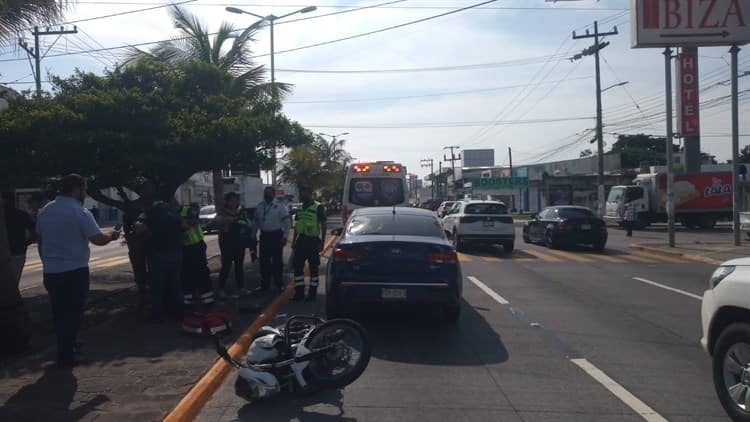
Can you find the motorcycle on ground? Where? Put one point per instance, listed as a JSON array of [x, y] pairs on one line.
[[307, 355]]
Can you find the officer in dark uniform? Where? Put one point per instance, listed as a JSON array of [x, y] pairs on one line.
[[309, 237]]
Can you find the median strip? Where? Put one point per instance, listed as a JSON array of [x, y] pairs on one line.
[[190, 406]]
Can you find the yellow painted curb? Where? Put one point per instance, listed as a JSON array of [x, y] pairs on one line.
[[692, 257], [191, 405]]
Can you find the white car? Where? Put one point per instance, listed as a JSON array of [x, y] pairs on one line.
[[725, 314], [444, 208], [480, 223]]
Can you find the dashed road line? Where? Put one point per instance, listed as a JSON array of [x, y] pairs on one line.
[[491, 293], [541, 255], [641, 259], [464, 258], [570, 256], [665, 258], [672, 289], [639, 407], [607, 258], [491, 259]]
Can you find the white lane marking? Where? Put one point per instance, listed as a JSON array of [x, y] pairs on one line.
[[671, 289], [499, 299], [619, 391]]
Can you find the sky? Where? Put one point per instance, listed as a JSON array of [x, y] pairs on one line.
[[509, 82]]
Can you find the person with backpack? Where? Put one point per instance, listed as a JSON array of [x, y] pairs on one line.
[[234, 236]]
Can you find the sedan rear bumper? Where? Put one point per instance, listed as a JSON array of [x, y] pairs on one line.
[[580, 238], [487, 238], [351, 295]]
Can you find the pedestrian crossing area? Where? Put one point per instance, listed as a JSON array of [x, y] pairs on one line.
[[582, 257]]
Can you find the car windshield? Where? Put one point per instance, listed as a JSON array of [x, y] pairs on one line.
[[208, 210], [375, 191], [574, 213], [486, 209], [616, 194], [389, 225]]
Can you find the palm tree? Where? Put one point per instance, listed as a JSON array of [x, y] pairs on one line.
[[195, 43], [15, 324], [17, 15]]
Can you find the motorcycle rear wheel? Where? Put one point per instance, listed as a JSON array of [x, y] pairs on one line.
[[346, 362]]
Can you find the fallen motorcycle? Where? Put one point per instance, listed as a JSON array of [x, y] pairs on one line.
[[307, 355]]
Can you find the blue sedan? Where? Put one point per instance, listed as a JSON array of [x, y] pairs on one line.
[[393, 256]]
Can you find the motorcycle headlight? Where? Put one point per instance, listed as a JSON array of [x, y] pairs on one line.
[[720, 274]]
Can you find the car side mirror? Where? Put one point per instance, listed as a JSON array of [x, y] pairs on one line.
[[337, 232]]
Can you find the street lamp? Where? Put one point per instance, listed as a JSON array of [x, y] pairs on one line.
[[616, 85], [271, 19]]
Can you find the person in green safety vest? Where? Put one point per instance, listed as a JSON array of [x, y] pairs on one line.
[[196, 281], [309, 237]]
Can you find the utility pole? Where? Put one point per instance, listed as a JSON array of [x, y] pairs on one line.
[[429, 162], [736, 188], [510, 164], [670, 134], [36, 53], [453, 160], [440, 175], [594, 50]]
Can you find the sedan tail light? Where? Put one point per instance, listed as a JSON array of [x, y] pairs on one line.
[[565, 225], [449, 257], [346, 255]]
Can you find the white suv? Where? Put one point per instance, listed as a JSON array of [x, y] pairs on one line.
[[725, 314], [480, 222]]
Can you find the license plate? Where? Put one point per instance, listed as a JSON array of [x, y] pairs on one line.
[[585, 226], [393, 293], [488, 223]]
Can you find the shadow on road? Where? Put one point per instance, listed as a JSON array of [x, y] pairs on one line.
[[51, 396], [418, 335], [325, 406]]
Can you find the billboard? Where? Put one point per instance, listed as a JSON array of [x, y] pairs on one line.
[[696, 192], [689, 23], [478, 157], [688, 120], [495, 183]]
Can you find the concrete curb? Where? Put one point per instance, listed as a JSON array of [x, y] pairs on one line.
[[192, 403], [662, 251]]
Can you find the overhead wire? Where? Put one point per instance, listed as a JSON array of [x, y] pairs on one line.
[[437, 94]]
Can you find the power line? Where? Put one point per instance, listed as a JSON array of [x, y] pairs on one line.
[[517, 62], [426, 125], [143, 44], [340, 6], [147, 43], [437, 94]]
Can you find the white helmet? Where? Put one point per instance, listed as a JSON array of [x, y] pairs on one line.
[[265, 348], [254, 385]]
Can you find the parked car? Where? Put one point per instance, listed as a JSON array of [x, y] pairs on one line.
[[393, 256], [480, 223], [207, 217], [567, 225], [725, 315], [445, 207]]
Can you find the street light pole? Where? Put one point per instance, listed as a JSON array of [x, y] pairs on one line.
[[271, 19]]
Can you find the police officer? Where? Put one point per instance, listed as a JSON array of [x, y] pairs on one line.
[[272, 218], [196, 281], [310, 232]]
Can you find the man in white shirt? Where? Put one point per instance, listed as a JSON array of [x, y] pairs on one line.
[[272, 218], [64, 230]]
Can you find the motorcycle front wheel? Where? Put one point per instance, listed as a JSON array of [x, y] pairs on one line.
[[346, 360]]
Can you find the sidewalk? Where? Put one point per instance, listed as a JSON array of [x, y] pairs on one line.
[[714, 253], [138, 372]]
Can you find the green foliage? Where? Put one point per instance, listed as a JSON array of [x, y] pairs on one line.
[[150, 124], [320, 165], [17, 15], [634, 149]]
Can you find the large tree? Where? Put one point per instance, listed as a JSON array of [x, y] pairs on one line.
[[228, 49], [320, 165], [15, 324], [145, 128], [635, 149]]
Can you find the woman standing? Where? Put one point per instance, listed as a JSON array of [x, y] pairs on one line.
[[234, 230]]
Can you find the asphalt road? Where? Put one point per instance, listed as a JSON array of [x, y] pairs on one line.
[[105, 257], [543, 336]]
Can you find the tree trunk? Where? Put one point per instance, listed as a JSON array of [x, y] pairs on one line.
[[218, 181], [15, 323]]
